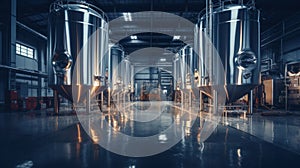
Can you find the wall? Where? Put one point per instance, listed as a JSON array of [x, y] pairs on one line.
[[34, 85], [281, 44]]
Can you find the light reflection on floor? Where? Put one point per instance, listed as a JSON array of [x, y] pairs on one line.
[[59, 141], [283, 131]]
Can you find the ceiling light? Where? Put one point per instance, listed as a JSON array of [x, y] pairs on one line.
[[176, 37], [133, 37], [163, 60], [127, 17]]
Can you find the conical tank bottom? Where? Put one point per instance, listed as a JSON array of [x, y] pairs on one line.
[[64, 90], [233, 92]]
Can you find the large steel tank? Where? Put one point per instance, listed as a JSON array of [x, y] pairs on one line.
[[116, 55], [77, 42], [234, 33], [126, 73], [176, 72], [189, 66], [185, 65]]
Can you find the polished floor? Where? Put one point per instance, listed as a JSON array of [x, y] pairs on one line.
[[30, 140], [282, 131]]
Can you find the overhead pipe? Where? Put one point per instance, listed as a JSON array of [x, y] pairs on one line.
[[31, 30]]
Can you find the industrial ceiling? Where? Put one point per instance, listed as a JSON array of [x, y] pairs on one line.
[[34, 13]]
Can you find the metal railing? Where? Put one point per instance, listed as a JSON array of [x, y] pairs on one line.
[[280, 30]]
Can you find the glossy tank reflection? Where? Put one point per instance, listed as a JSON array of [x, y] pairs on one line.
[[78, 40], [232, 37]]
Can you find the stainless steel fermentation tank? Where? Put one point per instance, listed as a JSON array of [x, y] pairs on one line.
[[127, 69], [185, 65], [116, 55], [119, 74], [77, 42], [176, 72], [185, 70], [234, 33], [119, 69]]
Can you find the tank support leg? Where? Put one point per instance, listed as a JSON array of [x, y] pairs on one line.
[[88, 101], [190, 98], [182, 101], [108, 98], [124, 99], [101, 100], [56, 103], [250, 102], [215, 101], [200, 101]]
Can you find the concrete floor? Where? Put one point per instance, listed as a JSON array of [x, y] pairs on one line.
[[29, 140], [282, 131]]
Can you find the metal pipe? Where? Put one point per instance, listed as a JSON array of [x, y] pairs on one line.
[[181, 96], [108, 97], [31, 30], [56, 104], [190, 98], [201, 101], [118, 99], [250, 102], [124, 99], [210, 48], [101, 100], [22, 71], [286, 87], [88, 101], [215, 101]]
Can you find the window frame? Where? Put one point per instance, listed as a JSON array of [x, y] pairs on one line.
[[25, 50]]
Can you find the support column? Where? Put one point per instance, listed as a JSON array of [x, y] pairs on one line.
[[8, 13], [108, 97], [88, 101], [124, 99], [190, 98], [200, 101], [39, 89], [56, 103], [286, 87], [250, 102], [181, 98], [215, 101], [101, 100]]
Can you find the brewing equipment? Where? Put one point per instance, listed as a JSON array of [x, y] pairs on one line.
[[176, 72], [189, 66], [126, 74], [116, 55], [77, 42], [234, 31], [185, 69]]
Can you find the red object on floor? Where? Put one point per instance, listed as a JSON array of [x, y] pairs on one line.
[[13, 95], [31, 103], [14, 105]]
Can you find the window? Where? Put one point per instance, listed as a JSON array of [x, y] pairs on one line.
[[24, 50]]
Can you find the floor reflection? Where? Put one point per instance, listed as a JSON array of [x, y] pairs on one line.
[[62, 142], [281, 131]]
